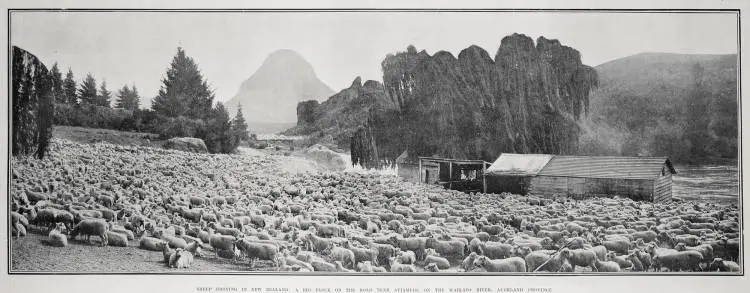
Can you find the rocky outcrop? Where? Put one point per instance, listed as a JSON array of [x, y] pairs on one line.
[[33, 104], [334, 121], [529, 99], [187, 144]]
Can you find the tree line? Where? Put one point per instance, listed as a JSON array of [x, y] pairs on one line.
[[184, 107]]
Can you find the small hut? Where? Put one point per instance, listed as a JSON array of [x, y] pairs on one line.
[[463, 175], [639, 178]]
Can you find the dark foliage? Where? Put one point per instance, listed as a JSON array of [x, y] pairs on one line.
[[184, 92], [33, 105]]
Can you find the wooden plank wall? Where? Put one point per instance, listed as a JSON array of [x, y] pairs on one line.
[[663, 188], [592, 187]]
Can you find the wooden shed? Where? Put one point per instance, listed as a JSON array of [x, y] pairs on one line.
[[463, 175], [639, 178]]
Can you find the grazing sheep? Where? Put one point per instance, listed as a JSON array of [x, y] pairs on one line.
[[56, 236], [257, 251], [88, 227], [511, 264]]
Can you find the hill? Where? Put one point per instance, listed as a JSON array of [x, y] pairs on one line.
[[678, 105], [271, 94]]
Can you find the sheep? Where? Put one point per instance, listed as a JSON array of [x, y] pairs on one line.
[[118, 229], [415, 244], [150, 243], [117, 239], [180, 259], [705, 249], [397, 267], [256, 251], [407, 257], [222, 242], [432, 267], [448, 248], [689, 240], [468, 263], [315, 243], [619, 245], [607, 266], [56, 236], [343, 255], [579, 257], [385, 251], [637, 265], [681, 260], [18, 229], [536, 259], [90, 227], [340, 267], [622, 261], [166, 251], [511, 264], [194, 248], [320, 265], [328, 230], [439, 262], [173, 241], [721, 265], [647, 236], [363, 254], [294, 261]]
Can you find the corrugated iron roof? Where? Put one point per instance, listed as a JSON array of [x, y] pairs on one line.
[[518, 164], [606, 167]]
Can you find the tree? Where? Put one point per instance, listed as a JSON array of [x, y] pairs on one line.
[[123, 97], [136, 99], [239, 128], [57, 84], [698, 102], [33, 105], [104, 96], [69, 88], [184, 92], [218, 136], [87, 92]]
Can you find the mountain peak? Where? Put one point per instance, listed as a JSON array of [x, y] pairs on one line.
[[271, 94]]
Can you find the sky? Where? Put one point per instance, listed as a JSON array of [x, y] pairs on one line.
[[137, 47]]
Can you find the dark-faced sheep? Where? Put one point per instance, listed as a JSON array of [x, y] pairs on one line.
[[89, 227]]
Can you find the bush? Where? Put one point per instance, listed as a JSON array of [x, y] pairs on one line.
[[181, 127]]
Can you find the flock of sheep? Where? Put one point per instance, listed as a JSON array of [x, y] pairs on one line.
[[192, 206]]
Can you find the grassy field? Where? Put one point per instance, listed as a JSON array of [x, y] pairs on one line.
[[95, 135]]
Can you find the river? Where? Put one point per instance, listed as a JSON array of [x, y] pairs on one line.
[[718, 182]]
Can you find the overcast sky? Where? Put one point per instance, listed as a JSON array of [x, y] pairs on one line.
[[136, 47]]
